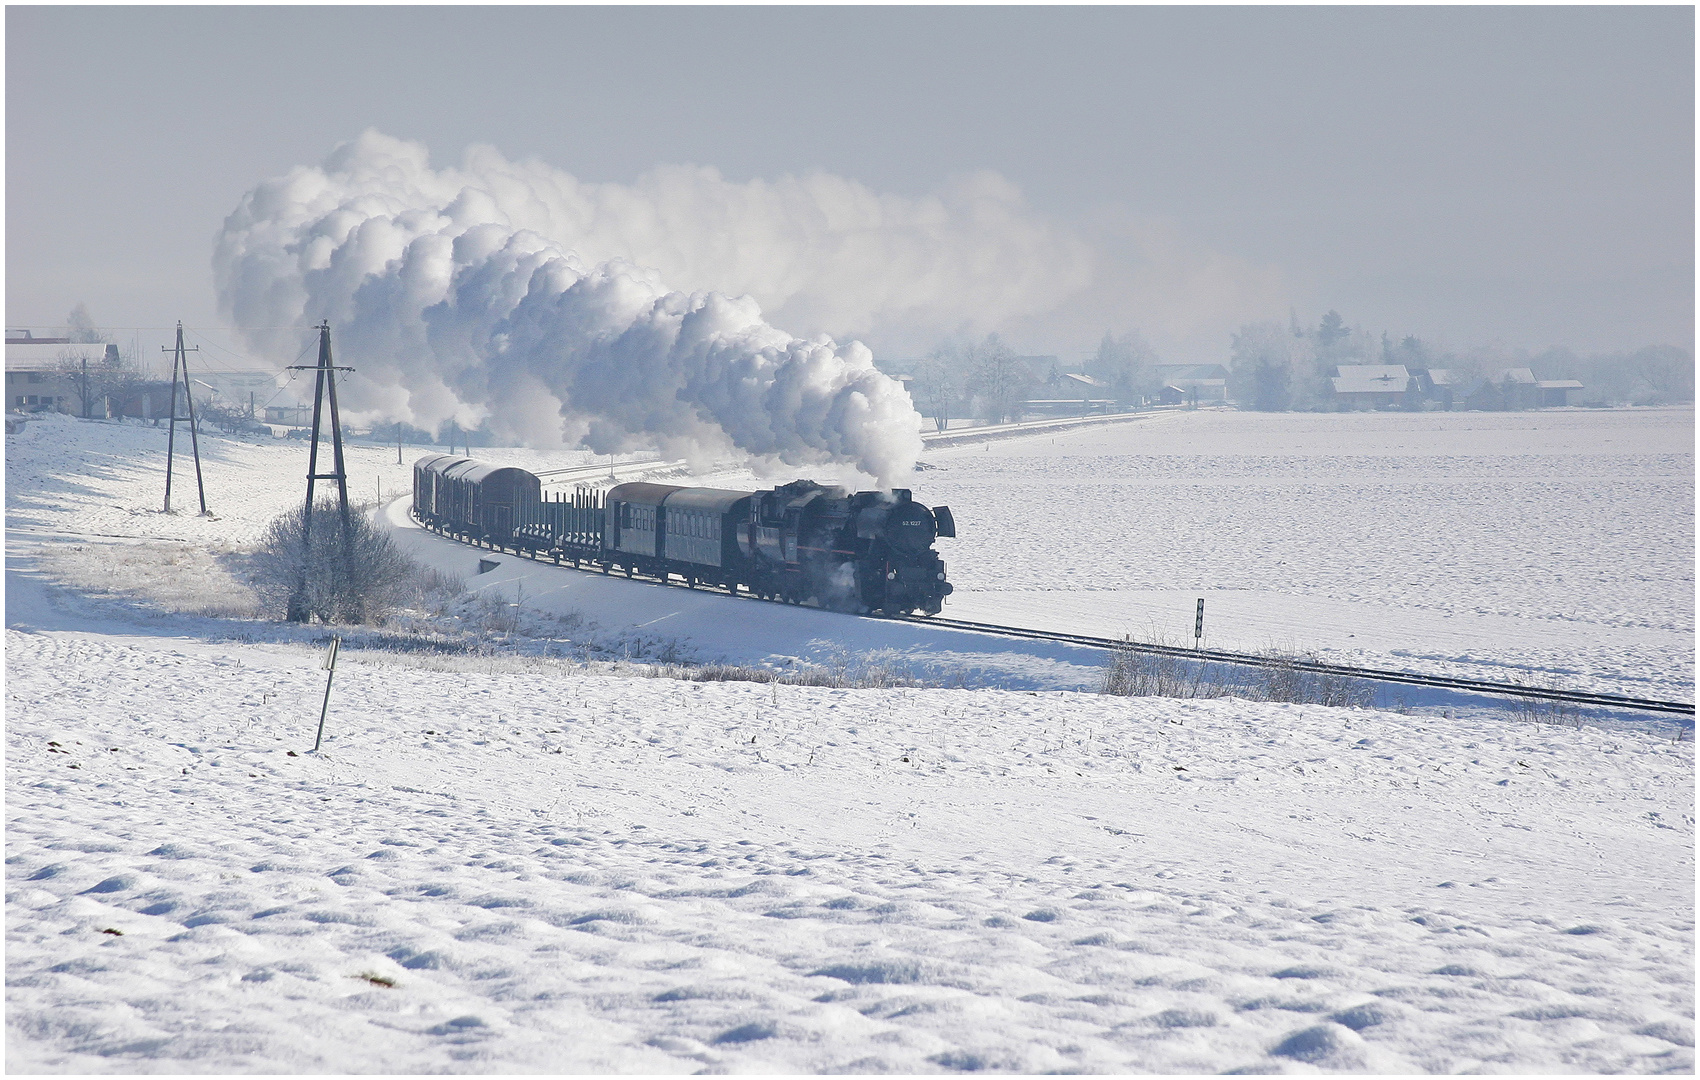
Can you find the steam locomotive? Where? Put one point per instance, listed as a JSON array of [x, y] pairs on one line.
[[867, 551]]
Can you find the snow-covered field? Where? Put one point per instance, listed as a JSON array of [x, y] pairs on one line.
[[518, 865], [1491, 545]]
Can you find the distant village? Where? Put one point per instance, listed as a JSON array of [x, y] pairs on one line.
[[1271, 368], [1328, 367]]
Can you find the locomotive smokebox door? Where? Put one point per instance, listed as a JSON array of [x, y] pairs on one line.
[[947, 524]]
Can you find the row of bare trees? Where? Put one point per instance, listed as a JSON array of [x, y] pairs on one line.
[[986, 379]]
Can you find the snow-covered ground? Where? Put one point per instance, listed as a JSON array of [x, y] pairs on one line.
[[509, 864], [1491, 545]]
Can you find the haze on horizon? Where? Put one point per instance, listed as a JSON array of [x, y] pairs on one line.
[[1470, 175]]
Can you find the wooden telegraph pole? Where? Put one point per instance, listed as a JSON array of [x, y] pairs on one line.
[[180, 362], [326, 381]]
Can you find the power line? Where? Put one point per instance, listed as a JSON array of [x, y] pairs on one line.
[[271, 365], [164, 329]]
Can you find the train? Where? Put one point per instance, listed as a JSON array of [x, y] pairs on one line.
[[869, 552]]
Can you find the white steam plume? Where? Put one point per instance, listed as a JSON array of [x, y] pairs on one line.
[[491, 293]]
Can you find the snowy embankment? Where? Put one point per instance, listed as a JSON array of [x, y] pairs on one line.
[[516, 865]]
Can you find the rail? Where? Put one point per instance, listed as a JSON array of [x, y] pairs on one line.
[[1443, 682]]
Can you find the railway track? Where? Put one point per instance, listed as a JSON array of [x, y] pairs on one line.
[[1218, 656], [1443, 682], [604, 471]]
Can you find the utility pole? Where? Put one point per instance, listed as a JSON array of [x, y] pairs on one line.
[[326, 380], [180, 361]]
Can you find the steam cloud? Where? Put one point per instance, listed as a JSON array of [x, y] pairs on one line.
[[495, 293]]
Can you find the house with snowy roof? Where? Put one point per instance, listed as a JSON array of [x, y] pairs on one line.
[[1556, 392], [1072, 392], [1439, 385], [1190, 383], [41, 373], [1516, 389], [1371, 386]]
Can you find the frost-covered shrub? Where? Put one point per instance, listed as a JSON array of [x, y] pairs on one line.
[[1281, 679], [316, 569], [1136, 672], [1133, 672]]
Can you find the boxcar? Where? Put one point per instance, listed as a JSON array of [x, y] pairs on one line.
[[480, 500]]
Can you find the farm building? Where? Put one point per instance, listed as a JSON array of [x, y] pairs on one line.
[[1191, 383], [1556, 392], [42, 373], [1370, 386]]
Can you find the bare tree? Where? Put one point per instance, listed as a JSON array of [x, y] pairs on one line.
[[1123, 363], [937, 386], [1263, 363], [357, 582], [91, 380], [228, 418], [1667, 373], [997, 380]]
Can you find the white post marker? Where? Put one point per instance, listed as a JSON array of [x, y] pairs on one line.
[[329, 666], [1198, 627]]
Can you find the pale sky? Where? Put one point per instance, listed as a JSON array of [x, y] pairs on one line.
[[1514, 175]]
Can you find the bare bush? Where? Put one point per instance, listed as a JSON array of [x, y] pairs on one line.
[[1281, 679], [1136, 672], [1546, 710], [438, 590], [1133, 672], [316, 568]]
